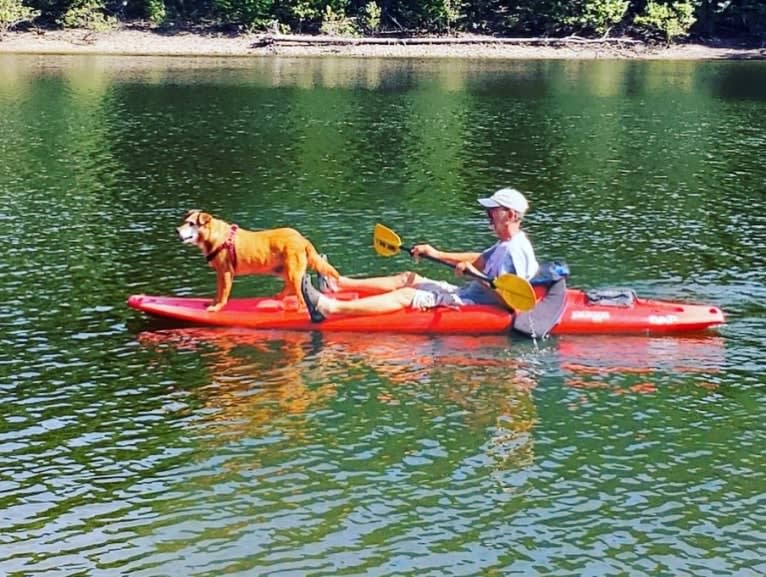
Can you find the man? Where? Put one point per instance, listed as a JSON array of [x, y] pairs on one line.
[[511, 254]]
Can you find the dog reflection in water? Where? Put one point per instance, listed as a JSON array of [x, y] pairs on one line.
[[260, 381], [257, 381]]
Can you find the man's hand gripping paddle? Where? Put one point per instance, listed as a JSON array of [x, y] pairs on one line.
[[515, 291]]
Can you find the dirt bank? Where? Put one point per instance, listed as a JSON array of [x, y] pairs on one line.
[[131, 42]]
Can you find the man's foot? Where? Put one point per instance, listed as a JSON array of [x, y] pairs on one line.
[[311, 295], [324, 283]]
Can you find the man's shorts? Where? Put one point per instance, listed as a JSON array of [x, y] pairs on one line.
[[431, 293]]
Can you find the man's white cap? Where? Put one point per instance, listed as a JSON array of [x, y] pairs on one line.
[[507, 198]]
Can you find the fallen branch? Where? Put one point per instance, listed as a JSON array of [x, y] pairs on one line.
[[283, 39]]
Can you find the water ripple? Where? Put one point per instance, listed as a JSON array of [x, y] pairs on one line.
[[128, 446]]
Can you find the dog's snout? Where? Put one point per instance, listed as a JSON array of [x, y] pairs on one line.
[[186, 232]]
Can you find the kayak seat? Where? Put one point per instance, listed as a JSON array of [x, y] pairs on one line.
[[539, 322]]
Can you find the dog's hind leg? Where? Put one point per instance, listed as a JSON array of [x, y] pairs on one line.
[[319, 264], [295, 268]]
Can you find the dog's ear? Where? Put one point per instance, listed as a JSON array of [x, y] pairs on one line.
[[203, 218]]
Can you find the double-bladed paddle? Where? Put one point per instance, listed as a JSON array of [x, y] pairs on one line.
[[515, 291]]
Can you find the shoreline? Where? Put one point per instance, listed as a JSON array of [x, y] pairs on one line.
[[132, 42]]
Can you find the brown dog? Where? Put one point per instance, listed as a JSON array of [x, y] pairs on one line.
[[234, 251]]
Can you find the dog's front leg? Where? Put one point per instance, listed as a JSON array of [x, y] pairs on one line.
[[224, 280]]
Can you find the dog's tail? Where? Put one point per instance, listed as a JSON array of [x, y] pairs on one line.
[[318, 263]]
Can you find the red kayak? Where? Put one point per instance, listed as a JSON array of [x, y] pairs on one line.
[[571, 312]]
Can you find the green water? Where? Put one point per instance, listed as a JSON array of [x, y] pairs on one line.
[[128, 447]]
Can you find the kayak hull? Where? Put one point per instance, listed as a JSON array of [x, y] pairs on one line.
[[644, 316], [578, 317]]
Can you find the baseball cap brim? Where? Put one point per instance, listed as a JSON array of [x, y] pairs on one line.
[[489, 202]]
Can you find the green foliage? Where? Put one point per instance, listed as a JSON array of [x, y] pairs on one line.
[[601, 15], [13, 12], [369, 19], [670, 20], [304, 11], [665, 19], [489, 16], [155, 11], [447, 13], [88, 15], [307, 15], [542, 17], [431, 15], [336, 24], [251, 14]]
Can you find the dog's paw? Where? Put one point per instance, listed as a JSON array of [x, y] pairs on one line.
[[214, 308]]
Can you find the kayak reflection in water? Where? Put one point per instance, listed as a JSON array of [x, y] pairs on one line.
[[511, 254]]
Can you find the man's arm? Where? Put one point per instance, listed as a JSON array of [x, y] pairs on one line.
[[426, 250]]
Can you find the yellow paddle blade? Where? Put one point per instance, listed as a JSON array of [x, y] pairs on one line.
[[385, 241], [517, 293]]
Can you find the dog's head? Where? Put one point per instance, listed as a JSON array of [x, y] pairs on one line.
[[193, 227]]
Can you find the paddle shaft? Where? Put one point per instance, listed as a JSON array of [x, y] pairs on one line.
[[469, 272]]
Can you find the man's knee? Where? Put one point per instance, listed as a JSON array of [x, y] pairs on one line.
[[407, 279], [405, 295]]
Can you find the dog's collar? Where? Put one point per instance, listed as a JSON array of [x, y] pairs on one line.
[[228, 244]]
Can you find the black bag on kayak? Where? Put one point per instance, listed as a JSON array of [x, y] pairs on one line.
[[613, 297]]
